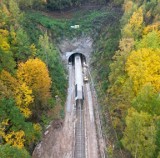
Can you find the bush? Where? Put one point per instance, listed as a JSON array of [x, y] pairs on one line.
[[7, 151]]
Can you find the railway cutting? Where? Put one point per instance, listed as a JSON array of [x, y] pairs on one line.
[[78, 136]]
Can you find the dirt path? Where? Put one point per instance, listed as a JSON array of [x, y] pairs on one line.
[[58, 143]]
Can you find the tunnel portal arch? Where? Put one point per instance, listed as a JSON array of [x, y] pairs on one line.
[[71, 57]]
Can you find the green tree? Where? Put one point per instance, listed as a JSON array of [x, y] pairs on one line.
[[7, 151], [16, 15], [140, 134], [23, 4], [151, 40], [6, 56], [20, 45], [18, 90], [147, 100], [13, 126], [157, 139], [45, 49], [49, 54]]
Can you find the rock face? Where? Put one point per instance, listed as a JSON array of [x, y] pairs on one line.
[[81, 45]]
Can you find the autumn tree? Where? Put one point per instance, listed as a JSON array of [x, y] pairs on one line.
[[134, 79], [143, 67], [147, 100], [135, 26], [19, 90], [35, 74], [140, 134], [151, 40], [118, 97], [14, 129], [6, 56], [117, 76]]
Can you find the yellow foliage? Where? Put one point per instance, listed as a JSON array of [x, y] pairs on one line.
[[37, 127], [4, 45], [15, 139], [4, 33], [35, 74], [143, 66], [153, 27], [2, 133], [8, 80], [5, 10], [33, 50], [23, 99], [135, 24], [20, 91], [137, 18], [3, 126], [5, 122], [126, 45]]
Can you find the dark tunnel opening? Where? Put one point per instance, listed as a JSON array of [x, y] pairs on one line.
[[71, 58]]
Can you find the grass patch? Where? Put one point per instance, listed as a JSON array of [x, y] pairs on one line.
[[89, 22]]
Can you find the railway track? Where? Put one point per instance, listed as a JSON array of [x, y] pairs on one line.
[[85, 138], [79, 133]]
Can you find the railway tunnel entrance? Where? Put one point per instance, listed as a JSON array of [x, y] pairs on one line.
[[71, 58]]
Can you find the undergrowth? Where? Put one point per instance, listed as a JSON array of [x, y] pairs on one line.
[[89, 22]]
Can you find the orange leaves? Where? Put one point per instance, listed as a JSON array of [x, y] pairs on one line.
[[143, 66], [153, 27]]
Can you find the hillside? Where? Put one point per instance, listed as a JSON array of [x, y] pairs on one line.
[[125, 65]]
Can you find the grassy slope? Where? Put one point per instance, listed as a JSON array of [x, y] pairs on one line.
[[88, 21]]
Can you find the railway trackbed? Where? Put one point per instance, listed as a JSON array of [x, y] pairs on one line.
[[79, 133], [86, 144], [79, 136]]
